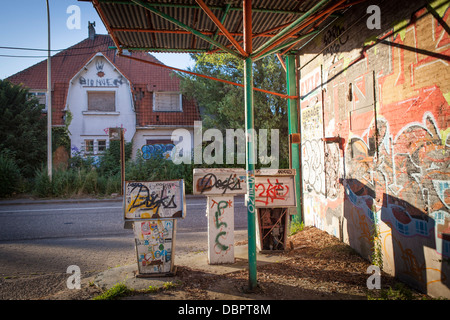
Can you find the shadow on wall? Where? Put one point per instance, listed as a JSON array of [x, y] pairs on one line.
[[397, 201]]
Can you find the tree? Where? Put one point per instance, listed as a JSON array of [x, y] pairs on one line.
[[23, 126], [222, 105]]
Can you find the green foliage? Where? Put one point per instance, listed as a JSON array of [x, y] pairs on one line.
[[110, 161], [116, 291], [222, 105], [157, 168], [398, 292], [377, 252], [74, 182], [60, 137], [10, 176], [22, 127], [296, 227]]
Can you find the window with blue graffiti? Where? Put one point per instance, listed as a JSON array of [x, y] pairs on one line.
[[155, 148]]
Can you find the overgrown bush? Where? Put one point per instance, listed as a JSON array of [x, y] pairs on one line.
[[9, 176], [103, 178], [22, 127], [42, 184], [109, 163], [157, 168]]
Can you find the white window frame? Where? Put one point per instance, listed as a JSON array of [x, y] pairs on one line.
[[98, 145]]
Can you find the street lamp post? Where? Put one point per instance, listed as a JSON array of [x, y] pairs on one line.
[[49, 101]]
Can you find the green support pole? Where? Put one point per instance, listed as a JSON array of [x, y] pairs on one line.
[[291, 82], [250, 166]]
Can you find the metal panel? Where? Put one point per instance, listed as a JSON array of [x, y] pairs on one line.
[[154, 200], [219, 181], [267, 14]]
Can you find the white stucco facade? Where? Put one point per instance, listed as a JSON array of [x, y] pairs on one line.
[[90, 124], [90, 119]]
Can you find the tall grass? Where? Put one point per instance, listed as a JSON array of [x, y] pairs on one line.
[[83, 177], [72, 182]]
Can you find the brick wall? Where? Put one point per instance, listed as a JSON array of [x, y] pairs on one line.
[[385, 93]]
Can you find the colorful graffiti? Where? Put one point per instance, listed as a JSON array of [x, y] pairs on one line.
[[153, 200], [275, 191], [404, 181], [270, 192], [389, 102], [151, 150], [220, 229], [154, 245]]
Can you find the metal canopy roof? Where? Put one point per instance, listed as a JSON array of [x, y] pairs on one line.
[[277, 26]]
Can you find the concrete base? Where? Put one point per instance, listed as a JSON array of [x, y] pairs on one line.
[[197, 260]]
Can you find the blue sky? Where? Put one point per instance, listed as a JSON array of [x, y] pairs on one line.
[[24, 24]]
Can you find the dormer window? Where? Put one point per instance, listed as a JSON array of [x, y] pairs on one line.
[[41, 96], [167, 102]]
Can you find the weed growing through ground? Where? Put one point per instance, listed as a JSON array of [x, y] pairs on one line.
[[296, 227], [120, 290], [116, 291]]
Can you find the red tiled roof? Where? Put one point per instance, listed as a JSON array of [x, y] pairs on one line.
[[143, 77]]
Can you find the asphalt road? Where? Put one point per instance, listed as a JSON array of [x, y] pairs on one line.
[[42, 238]]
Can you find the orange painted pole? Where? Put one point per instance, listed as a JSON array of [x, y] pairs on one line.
[[106, 24], [206, 33], [285, 96], [300, 27], [219, 25]]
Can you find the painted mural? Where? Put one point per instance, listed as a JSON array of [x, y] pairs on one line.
[[376, 148]]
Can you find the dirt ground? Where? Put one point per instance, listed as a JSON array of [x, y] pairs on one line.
[[320, 267]]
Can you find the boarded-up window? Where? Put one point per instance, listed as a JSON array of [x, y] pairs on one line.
[[167, 101], [101, 101]]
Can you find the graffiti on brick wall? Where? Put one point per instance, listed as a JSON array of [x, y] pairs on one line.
[[332, 160], [312, 147], [390, 103], [408, 180]]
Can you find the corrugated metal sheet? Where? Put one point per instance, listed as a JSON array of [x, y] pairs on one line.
[[123, 14]]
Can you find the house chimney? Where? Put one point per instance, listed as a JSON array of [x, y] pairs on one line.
[[91, 30]]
